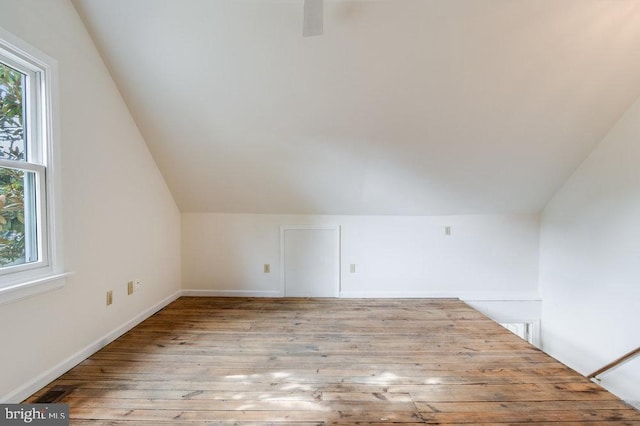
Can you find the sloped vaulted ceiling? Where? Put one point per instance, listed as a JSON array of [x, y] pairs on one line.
[[401, 107]]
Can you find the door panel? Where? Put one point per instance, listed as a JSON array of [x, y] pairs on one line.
[[311, 261]]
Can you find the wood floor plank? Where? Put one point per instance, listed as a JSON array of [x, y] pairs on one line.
[[329, 361], [493, 415]]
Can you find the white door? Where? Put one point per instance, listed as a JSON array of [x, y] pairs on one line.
[[311, 261]]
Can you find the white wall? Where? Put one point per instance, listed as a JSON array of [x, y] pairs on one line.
[[590, 261], [485, 257], [120, 221]]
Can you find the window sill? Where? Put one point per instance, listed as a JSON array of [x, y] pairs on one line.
[[33, 287]]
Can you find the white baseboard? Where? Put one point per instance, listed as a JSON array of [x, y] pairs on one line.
[[48, 376], [634, 404], [230, 293], [466, 296]]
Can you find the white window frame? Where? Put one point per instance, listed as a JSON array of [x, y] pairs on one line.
[[47, 273]]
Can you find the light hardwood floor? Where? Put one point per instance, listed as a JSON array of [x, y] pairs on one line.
[[320, 361]]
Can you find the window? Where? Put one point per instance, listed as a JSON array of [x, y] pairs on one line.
[[22, 170], [29, 254]]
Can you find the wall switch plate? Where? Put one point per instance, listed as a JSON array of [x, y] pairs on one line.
[[137, 283], [267, 268], [352, 268], [130, 287], [447, 230], [109, 297]]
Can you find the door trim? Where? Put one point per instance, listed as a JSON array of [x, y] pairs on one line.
[[284, 228]]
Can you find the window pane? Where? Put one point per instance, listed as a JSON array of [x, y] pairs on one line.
[[12, 117], [18, 230]]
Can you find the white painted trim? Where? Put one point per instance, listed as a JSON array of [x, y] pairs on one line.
[[463, 295], [534, 330], [51, 265], [56, 371], [284, 228], [230, 293], [31, 288]]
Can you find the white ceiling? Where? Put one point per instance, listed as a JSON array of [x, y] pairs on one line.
[[414, 107]]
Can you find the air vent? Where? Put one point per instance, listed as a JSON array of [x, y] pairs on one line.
[[54, 394]]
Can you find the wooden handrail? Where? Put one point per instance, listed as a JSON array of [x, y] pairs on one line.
[[615, 363]]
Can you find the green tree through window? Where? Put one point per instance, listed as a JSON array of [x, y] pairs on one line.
[[12, 181]]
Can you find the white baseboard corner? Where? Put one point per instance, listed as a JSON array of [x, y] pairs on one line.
[[53, 373]]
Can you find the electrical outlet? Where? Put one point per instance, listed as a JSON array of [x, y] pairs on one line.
[[267, 268], [137, 283], [109, 297], [130, 287]]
